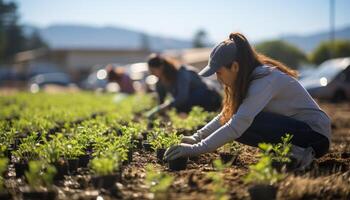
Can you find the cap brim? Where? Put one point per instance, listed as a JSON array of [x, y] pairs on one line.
[[207, 71]]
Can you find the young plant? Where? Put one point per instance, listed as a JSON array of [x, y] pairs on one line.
[[3, 168], [158, 182], [52, 150], [196, 118], [104, 165], [72, 149], [279, 152], [27, 150], [218, 185], [233, 148], [263, 172], [134, 129], [164, 141], [40, 174], [123, 145]]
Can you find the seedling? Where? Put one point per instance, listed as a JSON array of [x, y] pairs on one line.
[[164, 141], [52, 150], [278, 152], [72, 149], [104, 165], [40, 174], [3, 168], [157, 182], [263, 173], [196, 118], [218, 185], [106, 170], [27, 150], [233, 148]]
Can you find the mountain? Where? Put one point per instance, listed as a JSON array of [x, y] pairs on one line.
[[308, 43], [104, 38]]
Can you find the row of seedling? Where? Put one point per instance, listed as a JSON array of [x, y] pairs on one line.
[[263, 177]]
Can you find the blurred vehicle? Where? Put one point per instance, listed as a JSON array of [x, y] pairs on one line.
[[143, 80], [138, 73], [9, 74], [97, 79], [39, 68], [39, 81], [306, 70], [330, 81]]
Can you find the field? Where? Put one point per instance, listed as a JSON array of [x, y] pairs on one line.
[[97, 146]]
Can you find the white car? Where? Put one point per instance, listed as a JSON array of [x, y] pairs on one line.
[[330, 81]]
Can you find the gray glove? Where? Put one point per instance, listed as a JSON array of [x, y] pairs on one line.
[[217, 139], [150, 114], [207, 130], [189, 140], [178, 151]]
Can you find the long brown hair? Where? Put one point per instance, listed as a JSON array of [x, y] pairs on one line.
[[248, 59], [169, 66]]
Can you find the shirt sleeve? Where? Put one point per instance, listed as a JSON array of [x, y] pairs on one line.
[[208, 129], [260, 92], [161, 92]]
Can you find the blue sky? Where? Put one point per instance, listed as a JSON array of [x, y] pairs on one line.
[[258, 19]]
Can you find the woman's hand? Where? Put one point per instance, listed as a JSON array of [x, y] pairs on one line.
[[181, 150], [150, 114], [158, 109]]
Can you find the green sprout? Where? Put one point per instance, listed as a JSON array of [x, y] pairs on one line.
[[218, 184], [72, 149], [3, 168], [27, 150], [263, 172], [158, 182], [279, 152], [40, 174], [164, 141], [104, 165], [196, 118], [232, 148]]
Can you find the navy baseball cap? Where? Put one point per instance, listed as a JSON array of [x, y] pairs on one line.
[[223, 54]]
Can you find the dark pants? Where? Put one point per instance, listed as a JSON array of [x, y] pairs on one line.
[[209, 100], [270, 127]]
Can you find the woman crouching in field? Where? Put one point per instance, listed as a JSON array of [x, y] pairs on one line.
[[263, 101]]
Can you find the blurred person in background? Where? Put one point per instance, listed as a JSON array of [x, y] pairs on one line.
[[119, 76], [184, 84], [263, 101]]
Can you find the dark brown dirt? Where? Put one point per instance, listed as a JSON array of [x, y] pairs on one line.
[[329, 177]]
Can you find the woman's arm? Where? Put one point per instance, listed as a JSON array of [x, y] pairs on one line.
[[161, 92], [259, 94], [204, 132]]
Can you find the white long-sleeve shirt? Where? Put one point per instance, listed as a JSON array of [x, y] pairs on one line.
[[276, 92]]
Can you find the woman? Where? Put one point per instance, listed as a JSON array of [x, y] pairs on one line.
[[263, 101], [184, 84], [119, 76]]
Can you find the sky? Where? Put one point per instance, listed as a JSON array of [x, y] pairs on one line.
[[257, 19]]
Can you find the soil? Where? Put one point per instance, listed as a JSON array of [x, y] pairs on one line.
[[329, 177]]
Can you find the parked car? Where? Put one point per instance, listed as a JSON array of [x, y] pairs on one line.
[[39, 81], [330, 81], [97, 79], [138, 73]]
